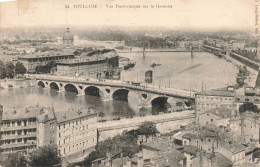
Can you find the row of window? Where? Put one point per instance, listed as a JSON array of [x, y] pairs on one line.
[[77, 122], [15, 123], [78, 147], [78, 135]]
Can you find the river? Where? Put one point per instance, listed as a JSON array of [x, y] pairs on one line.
[[177, 70]]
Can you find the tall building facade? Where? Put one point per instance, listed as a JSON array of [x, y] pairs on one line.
[[32, 61], [73, 131]]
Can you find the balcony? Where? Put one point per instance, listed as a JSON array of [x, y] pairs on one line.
[[31, 126], [10, 137], [20, 144]]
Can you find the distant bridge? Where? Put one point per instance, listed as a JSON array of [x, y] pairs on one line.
[[141, 51], [113, 89]]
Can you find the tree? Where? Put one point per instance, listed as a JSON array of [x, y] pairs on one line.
[[2, 70], [9, 69], [147, 128], [248, 107], [17, 159], [19, 68], [45, 156]]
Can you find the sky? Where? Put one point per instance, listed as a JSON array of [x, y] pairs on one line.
[[184, 14]]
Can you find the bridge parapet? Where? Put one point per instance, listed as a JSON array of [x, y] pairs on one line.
[[166, 91]]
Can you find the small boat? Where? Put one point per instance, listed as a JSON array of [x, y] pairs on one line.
[[154, 65]]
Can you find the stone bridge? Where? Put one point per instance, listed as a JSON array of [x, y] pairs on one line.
[[114, 90]]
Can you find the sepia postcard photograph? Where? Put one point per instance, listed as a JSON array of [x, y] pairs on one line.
[[129, 83]]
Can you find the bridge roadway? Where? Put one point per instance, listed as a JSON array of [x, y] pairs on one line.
[[155, 89]]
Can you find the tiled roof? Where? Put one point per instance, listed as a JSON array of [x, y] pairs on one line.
[[224, 140], [30, 112], [121, 161], [222, 112], [168, 159], [73, 114], [220, 159], [160, 145], [191, 149]]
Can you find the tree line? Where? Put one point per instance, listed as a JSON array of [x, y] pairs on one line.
[[9, 70]]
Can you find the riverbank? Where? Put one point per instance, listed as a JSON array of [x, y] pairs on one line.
[[15, 83]]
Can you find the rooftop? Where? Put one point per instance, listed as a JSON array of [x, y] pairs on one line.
[[168, 159], [72, 114], [102, 57], [220, 159], [121, 161], [30, 112], [160, 145], [222, 112], [191, 149], [222, 139], [45, 55]]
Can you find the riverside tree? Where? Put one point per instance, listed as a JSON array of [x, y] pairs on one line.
[[9, 69], [2, 70], [19, 68]]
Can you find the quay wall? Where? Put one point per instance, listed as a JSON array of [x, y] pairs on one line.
[[245, 61], [164, 123]]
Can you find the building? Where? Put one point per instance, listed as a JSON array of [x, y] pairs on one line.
[[97, 66], [218, 116], [76, 131], [73, 131], [67, 38], [215, 98], [210, 138], [213, 159], [24, 129], [247, 125], [31, 61], [161, 152]]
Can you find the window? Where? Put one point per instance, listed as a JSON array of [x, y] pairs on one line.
[[64, 150], [209, 140], [59, 134], [64, 126], [59, 126], [211, 120]]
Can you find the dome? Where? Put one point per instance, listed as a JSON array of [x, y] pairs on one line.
[[67, 35]]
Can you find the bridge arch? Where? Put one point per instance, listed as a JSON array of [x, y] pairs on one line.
[[41, 84], [159, 104], [93, 91], [121, 94], [71, 88], [54, 85]]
